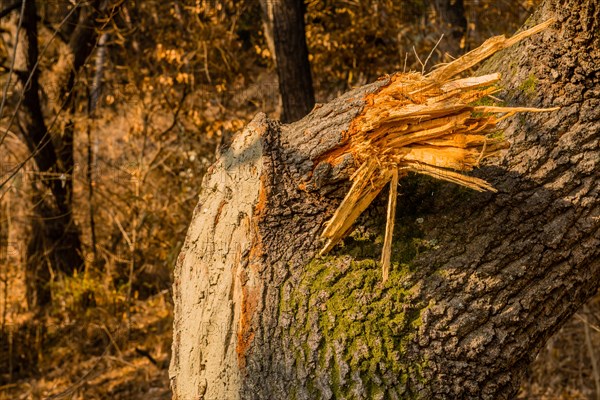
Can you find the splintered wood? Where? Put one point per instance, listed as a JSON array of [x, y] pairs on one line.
[[429, 124]]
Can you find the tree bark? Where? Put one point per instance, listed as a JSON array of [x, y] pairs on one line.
[[291, 56], [54, 245], [479, 281]]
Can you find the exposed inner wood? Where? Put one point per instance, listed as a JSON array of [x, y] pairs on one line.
[[389, 227], [427, 124]]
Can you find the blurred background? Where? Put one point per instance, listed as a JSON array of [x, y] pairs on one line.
[[130, 101]]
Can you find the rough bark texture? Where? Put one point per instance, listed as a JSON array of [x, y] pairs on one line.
[[478, 281], [293, 68]]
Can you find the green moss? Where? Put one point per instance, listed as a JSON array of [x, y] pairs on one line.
[[372, 322], [364, 327], [528, 85], [484, 101], [499, 134]]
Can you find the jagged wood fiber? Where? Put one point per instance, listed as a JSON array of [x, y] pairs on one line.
[[426, 124]]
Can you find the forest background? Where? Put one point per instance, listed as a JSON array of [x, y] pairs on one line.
[[165, 85]]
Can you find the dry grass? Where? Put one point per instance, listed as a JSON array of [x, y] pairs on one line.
[[99, 356]]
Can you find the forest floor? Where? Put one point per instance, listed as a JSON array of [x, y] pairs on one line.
[[97, 356], [101, 358]]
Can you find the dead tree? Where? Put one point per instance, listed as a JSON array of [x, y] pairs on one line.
[[479, 281]]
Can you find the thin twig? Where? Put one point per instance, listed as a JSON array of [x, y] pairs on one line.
[[88, 375], [430, 53], [418, 59], [26, 84], [594, 327], [11, 8]]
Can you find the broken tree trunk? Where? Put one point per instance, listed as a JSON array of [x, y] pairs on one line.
[[478, 281]]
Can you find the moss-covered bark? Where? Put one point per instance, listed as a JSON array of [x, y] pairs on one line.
[[354, 332]]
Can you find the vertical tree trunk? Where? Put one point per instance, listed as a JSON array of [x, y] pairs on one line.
[[452, 19], [293, 67], [478, 281], [54, 246], [266, 8]]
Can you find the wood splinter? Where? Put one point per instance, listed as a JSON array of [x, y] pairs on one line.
[[432, 124], [386, 256]]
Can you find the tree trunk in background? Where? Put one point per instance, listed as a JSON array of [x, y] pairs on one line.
[[452, 19], [54, 245], [291, 55], [485, 279], [266, 8]]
